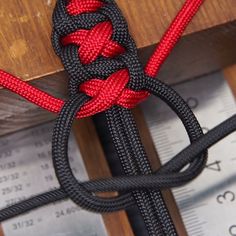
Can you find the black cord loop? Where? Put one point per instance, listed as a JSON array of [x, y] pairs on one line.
[[140, 186], [75, 190]]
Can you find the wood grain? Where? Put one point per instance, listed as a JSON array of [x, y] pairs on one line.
[[198, 54], [148, 19], [26, 29], [26, 51], [16, 113], [25, 38]]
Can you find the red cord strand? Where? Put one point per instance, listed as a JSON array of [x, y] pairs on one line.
[[30, 93], [172, 35], [93, 43]]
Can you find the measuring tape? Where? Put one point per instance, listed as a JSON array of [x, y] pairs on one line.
[[207, 204]]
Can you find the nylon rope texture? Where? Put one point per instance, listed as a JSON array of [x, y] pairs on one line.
[[91, 37]]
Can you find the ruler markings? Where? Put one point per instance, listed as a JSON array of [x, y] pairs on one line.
[[164, 128], [212, 102], [163, 145], [199, 229], [182, 191], [188, 213], [199, 234], [183, 196], [162, 138], [192, 219], [196, 227], [165, 156], [162, 135], [166, 151], [196, 232], [184, 209], [33, 173]]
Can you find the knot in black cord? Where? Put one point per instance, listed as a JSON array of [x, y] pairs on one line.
[[74, 31], [117, 52]]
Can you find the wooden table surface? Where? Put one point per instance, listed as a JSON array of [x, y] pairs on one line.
[[25, 45]]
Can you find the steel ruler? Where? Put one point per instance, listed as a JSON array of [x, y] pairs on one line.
[[207, 204], [26, 170]]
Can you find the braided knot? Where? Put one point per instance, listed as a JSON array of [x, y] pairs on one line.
[[87, 32], [95, 42], [109, 92]]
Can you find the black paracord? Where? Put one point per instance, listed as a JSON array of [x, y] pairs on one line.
[[140, 186], [136, 182], [164, 92], [146, 201], [154, 181]]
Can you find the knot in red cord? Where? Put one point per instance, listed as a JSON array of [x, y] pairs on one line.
[[92, 44], [96, 87], [109, 92], [76, 7]]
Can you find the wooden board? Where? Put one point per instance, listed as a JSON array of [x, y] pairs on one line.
[[26, 29], [208, 44], [16, 113], [26, 51], [198, 54]]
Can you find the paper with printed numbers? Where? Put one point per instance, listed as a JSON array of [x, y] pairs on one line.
[[25, 170]]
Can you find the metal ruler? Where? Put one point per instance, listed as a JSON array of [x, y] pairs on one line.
[[207, 204], [26, 170]]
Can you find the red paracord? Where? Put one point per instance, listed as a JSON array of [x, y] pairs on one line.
[[93, 43], [171, 36]]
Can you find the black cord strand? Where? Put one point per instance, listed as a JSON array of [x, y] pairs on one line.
[[65, 24], [160, 179], [139, 185], [75, 190], [157, 180], [120, 120], [131, 166]]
